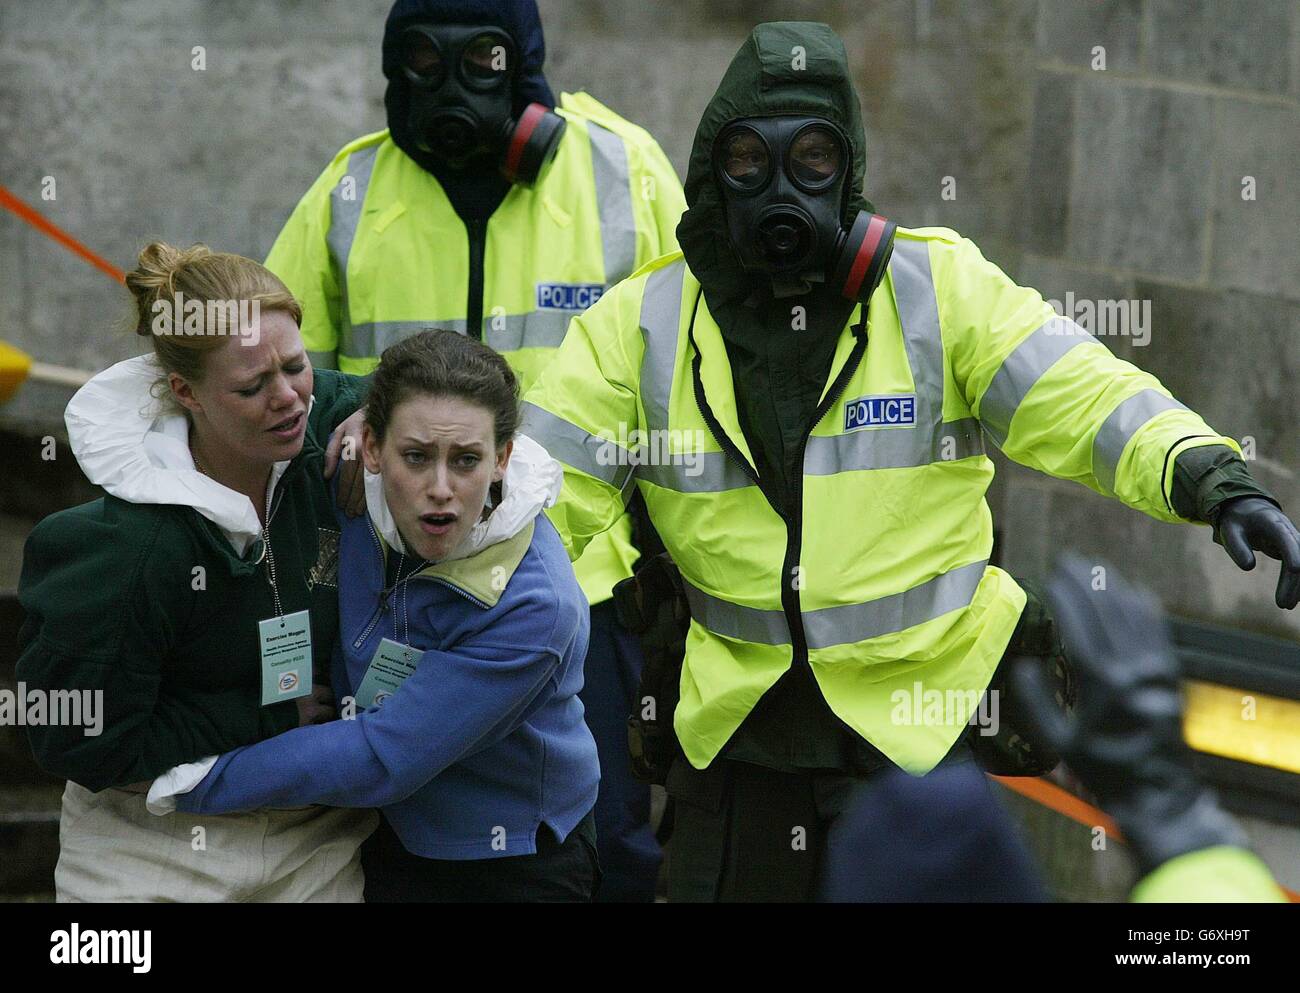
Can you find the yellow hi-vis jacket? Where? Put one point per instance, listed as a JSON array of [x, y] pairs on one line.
[[881, 580], [375, 252]]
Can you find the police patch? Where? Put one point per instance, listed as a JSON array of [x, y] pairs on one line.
[[887, 410], [568, 296]]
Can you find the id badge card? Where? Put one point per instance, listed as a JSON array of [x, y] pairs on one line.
[[392, 665], [285, 644]]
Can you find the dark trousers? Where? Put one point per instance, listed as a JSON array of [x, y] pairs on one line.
[[746, 833], [560, 872], [629, 853]]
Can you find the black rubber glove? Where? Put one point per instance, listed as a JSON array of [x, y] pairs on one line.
[[1126, 740], [1250, 522]]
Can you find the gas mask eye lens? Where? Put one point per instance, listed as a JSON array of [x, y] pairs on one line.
[[485, 59], [815, 157], [421, 58], [745, 160]]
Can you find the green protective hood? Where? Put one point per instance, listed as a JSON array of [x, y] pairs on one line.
[[784, 67]]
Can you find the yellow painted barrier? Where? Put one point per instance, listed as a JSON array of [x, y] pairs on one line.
[[14, 367], [1243, 725]]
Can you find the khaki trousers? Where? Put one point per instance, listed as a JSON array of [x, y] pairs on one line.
[[113, 850]]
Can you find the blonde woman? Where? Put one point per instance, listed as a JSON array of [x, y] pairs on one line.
[[198, 599]]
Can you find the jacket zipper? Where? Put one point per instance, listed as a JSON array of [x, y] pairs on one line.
[[721, 436], [794, 543], [793, 523], [477, 231], [272, 505], [383, 594], [452, 586]]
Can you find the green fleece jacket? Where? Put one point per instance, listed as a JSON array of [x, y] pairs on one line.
[[150, 604]]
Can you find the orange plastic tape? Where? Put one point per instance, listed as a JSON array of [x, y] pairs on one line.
[[1054, 798], [50, 229]]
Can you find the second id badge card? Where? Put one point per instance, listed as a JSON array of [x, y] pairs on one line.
[[392, 665], [285, 644]]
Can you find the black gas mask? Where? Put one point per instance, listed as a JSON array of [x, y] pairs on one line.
[[783, 181], [461, 98]]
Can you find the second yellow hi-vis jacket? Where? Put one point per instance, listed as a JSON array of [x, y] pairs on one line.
[[881, 581], [375, 252]]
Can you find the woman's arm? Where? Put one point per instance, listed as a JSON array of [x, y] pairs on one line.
[[453, 705], [104, 606]]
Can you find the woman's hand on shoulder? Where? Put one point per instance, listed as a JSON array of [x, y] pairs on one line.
[[344, 453]]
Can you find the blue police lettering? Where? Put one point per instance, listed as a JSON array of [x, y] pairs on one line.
[[880, 411], [568, 296]]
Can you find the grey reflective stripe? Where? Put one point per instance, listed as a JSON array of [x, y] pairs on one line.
[[697, 472], [1021, 369], [856, 622], [933, 439], [731, 620], [575, 447], [614, 201], [345, 217], [369, 340], [892, 448], [540, 329], [323, 360], [1119, 427], [661, 319], [715, 472], [844, 625]]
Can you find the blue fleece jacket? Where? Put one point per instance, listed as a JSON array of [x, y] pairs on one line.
[[482, 743]]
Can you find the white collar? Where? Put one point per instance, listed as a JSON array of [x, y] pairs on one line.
[[127, 442]]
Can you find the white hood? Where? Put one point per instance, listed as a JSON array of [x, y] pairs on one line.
[[531, 483], [138, 450]]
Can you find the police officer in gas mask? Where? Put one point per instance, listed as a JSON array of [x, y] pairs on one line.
[[455, 108], [488, 207], [813, 388]]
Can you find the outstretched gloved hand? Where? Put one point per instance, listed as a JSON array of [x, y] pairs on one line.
[[1125, 741], [1247, 522]]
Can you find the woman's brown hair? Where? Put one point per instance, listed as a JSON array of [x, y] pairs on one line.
[[444, 363], [197, 273]]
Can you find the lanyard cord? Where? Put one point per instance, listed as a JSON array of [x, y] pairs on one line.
[[270, 566], [401, 590], [266, 542]]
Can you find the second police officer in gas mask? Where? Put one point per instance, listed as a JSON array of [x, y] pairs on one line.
[[816, 387], [488, 208]]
